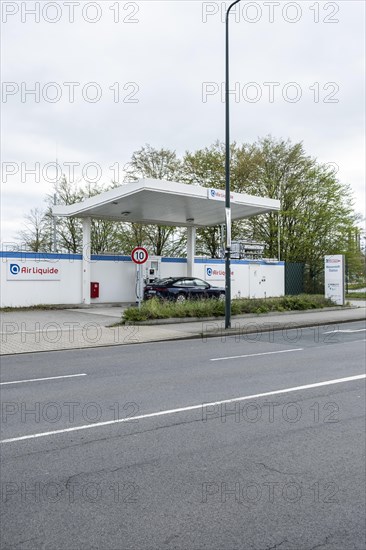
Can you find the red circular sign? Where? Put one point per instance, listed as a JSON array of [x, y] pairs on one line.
[[139, 255]]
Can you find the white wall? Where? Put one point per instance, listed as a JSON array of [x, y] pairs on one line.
[[116, 280], [67, 290], [116, 277], [249, 279]]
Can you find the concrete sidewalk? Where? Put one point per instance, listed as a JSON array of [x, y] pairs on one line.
[[37, 331]]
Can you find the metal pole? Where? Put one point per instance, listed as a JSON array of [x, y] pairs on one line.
[[140, 276], [227, 177], [54, 227]]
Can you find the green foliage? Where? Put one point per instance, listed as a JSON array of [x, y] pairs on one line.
[[39, 307], [206, 167], [69, 230], [316, 217], [355, 260], [158, 309], [160, 240], [356, 295], [107, 236], [356, 286], [36, 234], [148, 162]]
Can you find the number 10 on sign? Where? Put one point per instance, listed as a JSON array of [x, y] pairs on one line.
[[139, 255]]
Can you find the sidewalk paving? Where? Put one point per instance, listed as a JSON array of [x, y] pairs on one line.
[[37, 331]]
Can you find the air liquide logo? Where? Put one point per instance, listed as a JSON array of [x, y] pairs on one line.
[[14, 269], [217, 194], [33, 271], [216, 273]]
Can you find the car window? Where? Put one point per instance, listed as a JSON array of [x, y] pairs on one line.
[[183, 283], [165, 281], [200, 283], [179, 283]]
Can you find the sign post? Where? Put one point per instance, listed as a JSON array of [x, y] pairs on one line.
[[139, 256], [334, 277]]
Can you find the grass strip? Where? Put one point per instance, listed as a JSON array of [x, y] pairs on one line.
[[159, 309]]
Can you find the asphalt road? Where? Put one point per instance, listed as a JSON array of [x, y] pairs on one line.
[[252, 442]]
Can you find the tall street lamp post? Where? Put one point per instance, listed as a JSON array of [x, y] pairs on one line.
[[227, 179]]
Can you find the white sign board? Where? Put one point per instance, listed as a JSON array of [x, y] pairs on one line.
[[334, 275], [228, 227], [18, 270], [216, 273]]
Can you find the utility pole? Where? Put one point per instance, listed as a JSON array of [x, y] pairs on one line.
[[227, 176]]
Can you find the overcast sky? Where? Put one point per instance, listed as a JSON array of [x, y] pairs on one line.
[[152, 72]]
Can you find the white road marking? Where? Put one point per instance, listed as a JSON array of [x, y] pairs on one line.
[[186, 409], [346, 330], [256, 354], [41, 379]]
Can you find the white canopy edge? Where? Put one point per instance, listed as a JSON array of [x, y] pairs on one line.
[[201, 201]]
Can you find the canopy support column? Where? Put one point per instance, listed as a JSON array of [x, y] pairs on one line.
[[86, 260], [191, 250]]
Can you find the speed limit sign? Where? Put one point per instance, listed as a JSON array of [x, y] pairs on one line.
[[139, 255]]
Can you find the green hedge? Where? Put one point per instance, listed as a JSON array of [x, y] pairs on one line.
[[157, 309], [356, 286], [356, 295]]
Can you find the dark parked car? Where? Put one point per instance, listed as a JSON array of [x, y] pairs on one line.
[[182, 288]]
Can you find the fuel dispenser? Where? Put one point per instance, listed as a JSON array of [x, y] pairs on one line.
[[147, 271], [152, 269]]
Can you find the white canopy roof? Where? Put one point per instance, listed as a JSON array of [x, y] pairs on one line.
[[149, 201]]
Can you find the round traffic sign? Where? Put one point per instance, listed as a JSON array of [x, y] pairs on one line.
[[139, 255]]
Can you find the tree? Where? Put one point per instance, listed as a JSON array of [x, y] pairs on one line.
[[104, 233], [36, 235], [316, 216], [206, 167], [355, 258], [149, 162], [69, 230], [316, 208], [130, 236], [117, 237]]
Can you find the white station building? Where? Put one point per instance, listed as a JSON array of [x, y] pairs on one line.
[[37, 278]]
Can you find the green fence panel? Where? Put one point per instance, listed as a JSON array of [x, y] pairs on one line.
[[294, 278]]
